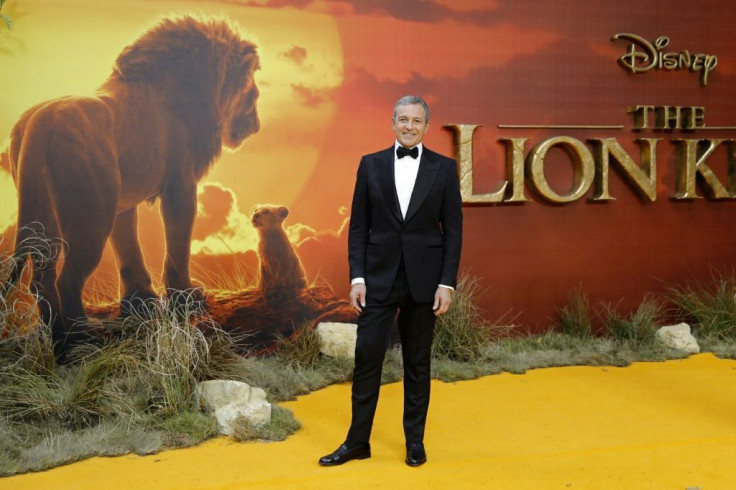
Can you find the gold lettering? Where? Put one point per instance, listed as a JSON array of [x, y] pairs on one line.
[[643, 178], [699, 117], [693, 117], [643, 56], [711, 61], [463, 139], [581, 158], [731, 167], [667, 117], [691, 158], [515, 167], [698, 62], [669, 61], [641, 115]]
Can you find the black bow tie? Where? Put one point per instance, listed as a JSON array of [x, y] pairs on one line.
[[401, 152]]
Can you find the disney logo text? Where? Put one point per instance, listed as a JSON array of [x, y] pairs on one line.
[[643, 56]]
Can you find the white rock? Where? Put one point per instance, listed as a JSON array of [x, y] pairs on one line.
[[678, 337], [337, 339], [228, 400]]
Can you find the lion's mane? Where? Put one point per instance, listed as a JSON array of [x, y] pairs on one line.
[[201, 66]]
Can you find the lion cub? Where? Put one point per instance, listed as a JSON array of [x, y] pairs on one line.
[[281, 272]]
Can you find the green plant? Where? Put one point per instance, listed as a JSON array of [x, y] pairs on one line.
[[462, 332], [189, 428], [574, 317], [710, 305], [636, 329], [281, 425], [301, 349]]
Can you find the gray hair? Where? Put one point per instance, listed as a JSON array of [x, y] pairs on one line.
[[411, 100]]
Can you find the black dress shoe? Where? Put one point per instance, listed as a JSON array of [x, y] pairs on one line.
[[345, 453], [415, 454]]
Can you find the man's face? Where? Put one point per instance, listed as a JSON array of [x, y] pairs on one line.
[[410, 124]]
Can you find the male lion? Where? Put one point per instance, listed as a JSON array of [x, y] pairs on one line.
[[81, 165]]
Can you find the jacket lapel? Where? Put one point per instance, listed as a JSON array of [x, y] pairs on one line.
[[387, 181], [426, 176]]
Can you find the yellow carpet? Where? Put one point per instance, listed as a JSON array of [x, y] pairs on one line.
[[651, 426]]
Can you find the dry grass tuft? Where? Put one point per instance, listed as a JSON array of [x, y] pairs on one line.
[[462, 333], [709, 306], [301, 349], [575, 316], [636, 329]]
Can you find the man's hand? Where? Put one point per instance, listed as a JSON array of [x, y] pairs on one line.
[[357, 297], [442, 300]]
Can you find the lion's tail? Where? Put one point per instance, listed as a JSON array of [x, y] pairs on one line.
[[27, 160]]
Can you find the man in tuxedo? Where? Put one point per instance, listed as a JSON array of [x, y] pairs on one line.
[[404, 247]]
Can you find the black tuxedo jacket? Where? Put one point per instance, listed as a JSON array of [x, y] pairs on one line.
[[429, 239]]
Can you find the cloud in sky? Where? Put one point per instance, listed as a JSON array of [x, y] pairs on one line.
[[214, 205], [412, 10], [312, 97], [561, 17], [220, 227], [299, 232], [297, 54]]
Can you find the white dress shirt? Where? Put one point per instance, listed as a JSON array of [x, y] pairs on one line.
[[405, 175]]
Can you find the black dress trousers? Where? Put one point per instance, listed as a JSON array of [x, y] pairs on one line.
[[416, 325]]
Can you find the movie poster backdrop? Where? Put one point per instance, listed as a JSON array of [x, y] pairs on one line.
[[595, 143]]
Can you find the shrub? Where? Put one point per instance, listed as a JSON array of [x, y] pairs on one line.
[[301, 349], [575, 318], [462, 333], [710, 306], [636, 329]]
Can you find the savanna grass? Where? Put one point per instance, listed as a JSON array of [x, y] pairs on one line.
[[709, 306], [301, 349], [636, 329], [575, 316], [135, 393], [462, 333], [18, 305]]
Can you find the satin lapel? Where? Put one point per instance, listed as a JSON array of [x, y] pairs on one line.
[[426, 176], [387, 181]]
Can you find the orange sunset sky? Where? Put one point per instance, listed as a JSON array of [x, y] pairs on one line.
[[330, 72]]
